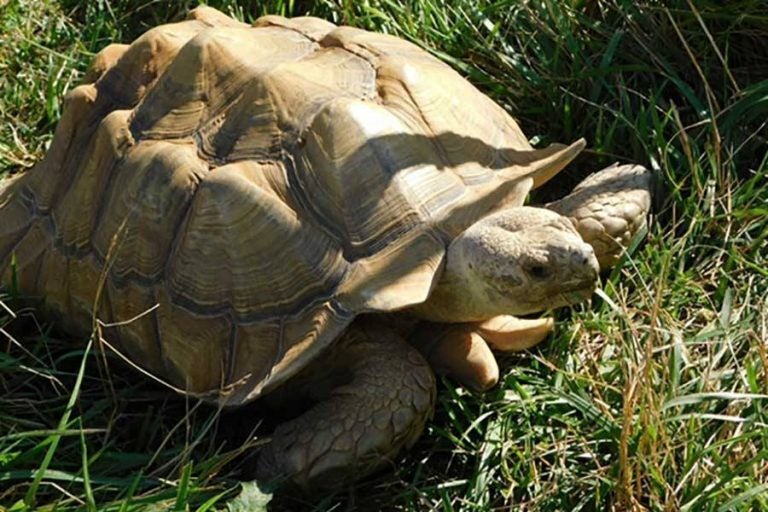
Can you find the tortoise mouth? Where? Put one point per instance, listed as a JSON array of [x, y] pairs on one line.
[[573, 292], [566, 294]]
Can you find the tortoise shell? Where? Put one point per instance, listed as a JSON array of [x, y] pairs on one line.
[[222, 200]]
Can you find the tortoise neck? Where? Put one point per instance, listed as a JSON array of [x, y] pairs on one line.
[[452, 300], [450, 305]]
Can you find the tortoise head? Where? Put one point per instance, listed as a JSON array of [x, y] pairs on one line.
[[515, 262]]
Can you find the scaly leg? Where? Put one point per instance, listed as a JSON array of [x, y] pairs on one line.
[[386, 394], [608, 208]]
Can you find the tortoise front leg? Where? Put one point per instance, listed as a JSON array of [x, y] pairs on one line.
[[507, 333], [458, 351], [385, 395], [608, 209], [463, 351]]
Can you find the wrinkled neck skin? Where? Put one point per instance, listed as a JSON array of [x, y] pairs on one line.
[[514, 262], [449, 302]]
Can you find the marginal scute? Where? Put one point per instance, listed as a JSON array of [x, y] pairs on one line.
[[396, 277], [198, 358], [28, 255], [304, 336], [86, 290], [256, 348], [55, 274], [132, 323]]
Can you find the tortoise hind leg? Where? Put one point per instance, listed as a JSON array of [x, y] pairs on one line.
[[359, 426]]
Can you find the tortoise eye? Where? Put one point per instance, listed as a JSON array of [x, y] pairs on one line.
[[538, 271]]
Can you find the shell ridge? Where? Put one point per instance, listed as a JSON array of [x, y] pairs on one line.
[[287, 27], [226, 308], [304, 201]]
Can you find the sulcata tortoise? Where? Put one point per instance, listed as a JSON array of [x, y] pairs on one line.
[[240, 209]]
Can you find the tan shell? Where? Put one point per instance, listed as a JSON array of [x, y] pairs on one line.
[[246, 191]]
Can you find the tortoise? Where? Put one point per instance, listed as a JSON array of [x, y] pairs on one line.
[[298, 208]]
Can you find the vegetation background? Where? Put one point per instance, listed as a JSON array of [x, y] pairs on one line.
[[652, 397]]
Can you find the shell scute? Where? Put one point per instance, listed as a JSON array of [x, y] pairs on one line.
[[148, 199], [368, 177], [203, 83], [76, 216], [198, 358], [28, 254], [124, 84], [244, 251]]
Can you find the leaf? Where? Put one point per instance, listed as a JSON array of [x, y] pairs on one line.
[[254, 497], [695, 398]]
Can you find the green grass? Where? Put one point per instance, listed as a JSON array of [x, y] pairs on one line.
[[651, 397]]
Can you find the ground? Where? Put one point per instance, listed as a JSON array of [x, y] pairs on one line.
[[652, 396]]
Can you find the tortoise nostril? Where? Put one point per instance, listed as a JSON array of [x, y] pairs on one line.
[[584, 258], [580, 258], [587, 255]]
